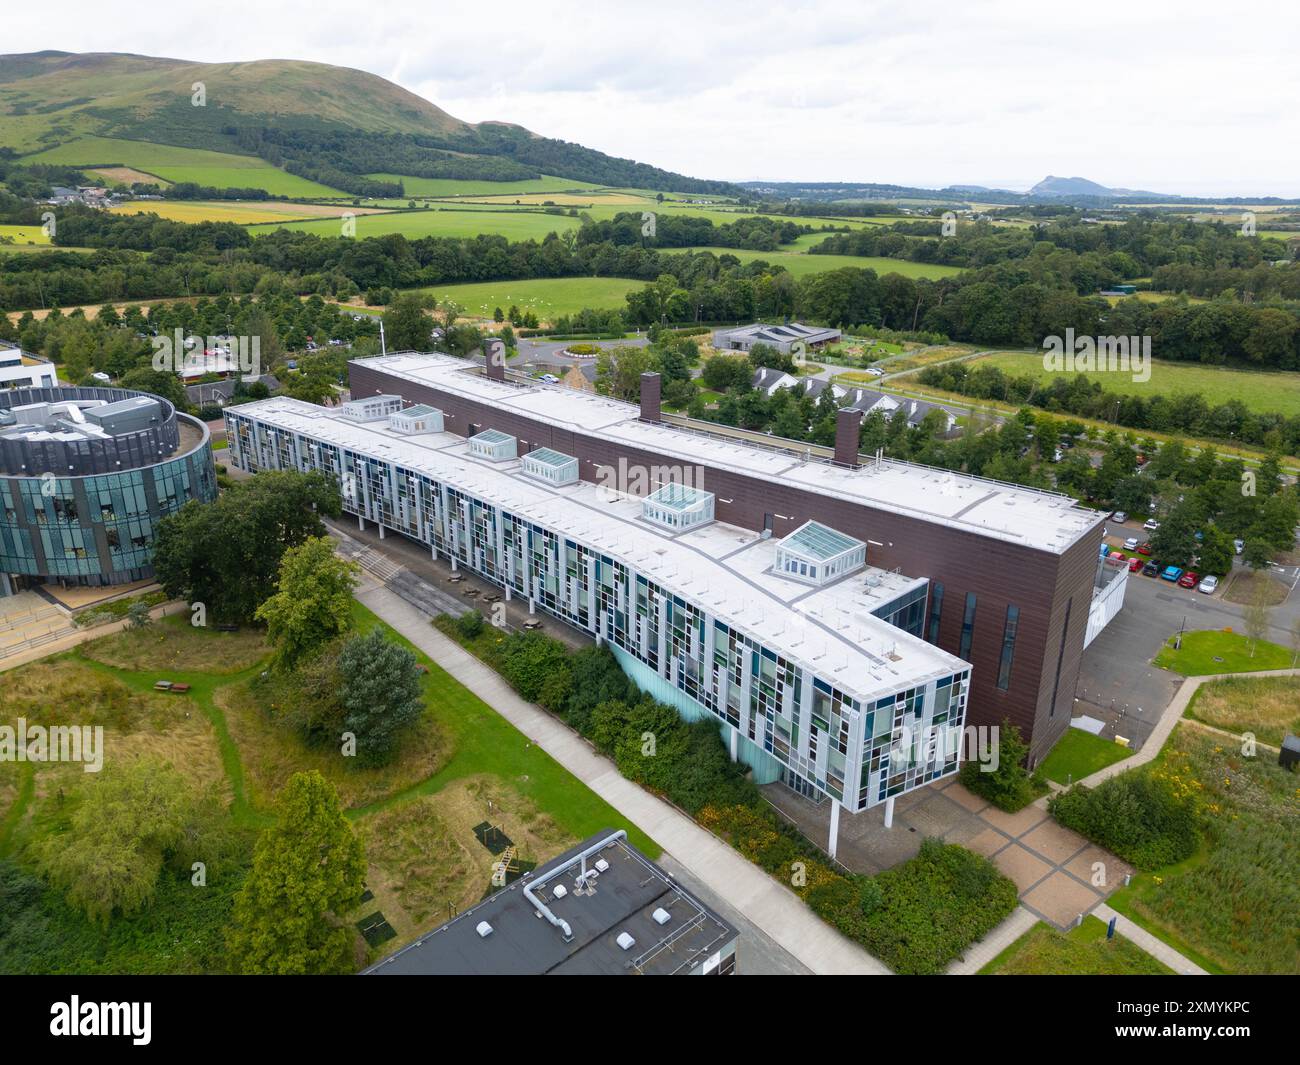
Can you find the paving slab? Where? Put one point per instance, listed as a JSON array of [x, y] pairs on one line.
[[1061, 898]]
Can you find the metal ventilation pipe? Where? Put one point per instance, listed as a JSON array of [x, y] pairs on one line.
[[581, 857]]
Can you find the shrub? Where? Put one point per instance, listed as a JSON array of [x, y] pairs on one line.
[[470, 624], [934, 906], [1138, 815], [1010, 786]]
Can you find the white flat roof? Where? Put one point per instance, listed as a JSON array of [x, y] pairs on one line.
[[722, 568], [1047, 521]]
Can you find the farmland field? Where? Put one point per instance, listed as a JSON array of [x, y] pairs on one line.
[[441, 187], [126, 175], [22, 235], [515, 225], [1260, 390], [217, 169], [239, 212], [546, 297]]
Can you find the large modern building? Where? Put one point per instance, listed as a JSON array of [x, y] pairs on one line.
[[828, 614], [19, 369], [600, 909], [85, 476]]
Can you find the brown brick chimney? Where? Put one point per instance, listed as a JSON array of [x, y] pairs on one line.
[[494, 358], [651, 395], [847, 424]]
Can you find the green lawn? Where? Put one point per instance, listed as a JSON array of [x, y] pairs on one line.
[[219, 169], [1080, 754], [546, 297], [1260, 390], [1268, 707], [23, 235], [1082, 951], [1213, 651]]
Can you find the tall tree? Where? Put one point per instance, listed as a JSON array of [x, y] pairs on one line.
[[308, 870], [381, 693], [313, 601]]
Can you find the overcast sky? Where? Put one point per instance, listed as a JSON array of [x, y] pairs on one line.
[[1191, 97]]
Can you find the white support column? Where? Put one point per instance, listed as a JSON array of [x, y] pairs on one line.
[[833, 843], [361, 523], [889, 812], [532, 605], [735, 743], [381, 530], [508, 593]]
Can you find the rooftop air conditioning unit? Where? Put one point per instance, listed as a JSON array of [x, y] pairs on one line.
[[602, 865], [625, 941], [483, 929], [560, 891], [661, 916]]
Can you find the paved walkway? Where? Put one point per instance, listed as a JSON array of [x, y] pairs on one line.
[[1144, 939], [772, 907]]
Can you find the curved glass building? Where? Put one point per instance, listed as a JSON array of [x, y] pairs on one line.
[[85, 476]]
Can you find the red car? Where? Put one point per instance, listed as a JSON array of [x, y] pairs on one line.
[[1145, 549], [1188, 580], [1134, 564]]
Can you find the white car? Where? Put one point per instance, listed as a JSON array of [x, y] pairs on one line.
[[1151, 525], [1119, 516], [1207, 585], [1131, 544], [1239, 546], [875, 371]]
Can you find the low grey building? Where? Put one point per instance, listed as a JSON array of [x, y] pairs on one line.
[[600, 909], [781, 337]]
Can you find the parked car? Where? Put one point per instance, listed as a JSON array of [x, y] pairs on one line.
[[1117, 557], [1135, 563], [1131, 544], [1144, 549], [875, 371], [1151, 525], [1208, 585], [1189, 579], [1171, 573], [550, 379], [1151, 569], [1119, 515], [1239, 546]]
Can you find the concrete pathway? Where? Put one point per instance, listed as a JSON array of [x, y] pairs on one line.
[[1156, 948], [993, 944], [774, 908]]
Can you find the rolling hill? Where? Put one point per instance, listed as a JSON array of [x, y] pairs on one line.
[[309, 120]]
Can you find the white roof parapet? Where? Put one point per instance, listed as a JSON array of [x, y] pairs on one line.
[[1046, 521]]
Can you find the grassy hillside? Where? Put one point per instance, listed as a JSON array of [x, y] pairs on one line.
[[220, 170]]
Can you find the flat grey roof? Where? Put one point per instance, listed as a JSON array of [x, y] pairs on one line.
[[1047, 521], [522, 943]]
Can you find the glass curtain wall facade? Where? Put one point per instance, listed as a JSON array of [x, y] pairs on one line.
[[860, 754]]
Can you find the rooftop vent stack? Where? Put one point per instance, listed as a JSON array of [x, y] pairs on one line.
[[651, 396], [494, 358], [847, 423]]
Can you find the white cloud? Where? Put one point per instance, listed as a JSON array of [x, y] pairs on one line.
[[1179, 97]]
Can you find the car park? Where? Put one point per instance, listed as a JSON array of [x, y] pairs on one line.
[[1171, 573], [1151, 569], [1189, 579], [1208, 585]]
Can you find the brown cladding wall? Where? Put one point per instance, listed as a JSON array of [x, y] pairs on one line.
[[1042, 584]]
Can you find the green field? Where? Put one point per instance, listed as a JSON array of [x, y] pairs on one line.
[[546, 297], [1260, 390], [22, 235], [1080, 754], [217, 169], [418, 186], [507, 222], [801, 265]]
